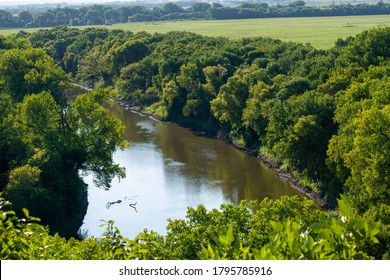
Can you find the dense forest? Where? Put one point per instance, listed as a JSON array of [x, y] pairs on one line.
[[103, 14], [322, 115]]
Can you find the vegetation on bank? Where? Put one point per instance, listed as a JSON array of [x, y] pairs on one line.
[[321, 114], [281, 229]]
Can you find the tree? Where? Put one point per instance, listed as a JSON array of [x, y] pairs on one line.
[[200, 7], [215, 76], [127, 53], [97, 135], [95, 67], [44, 20], [171, 7], [84, 134], [228, 105], [297, 3], [298, 132], [189, 81], [23, 72], [59, 143], [294, 86], [61, 18], [171, 99], [369, 158], [6, 19], [367, 91], [253, 116], [25, 18], [93, 17], [367, 49], [306, 147], [112, 15], [24, 189]]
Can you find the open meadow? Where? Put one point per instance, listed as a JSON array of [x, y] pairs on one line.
[[321, 32]]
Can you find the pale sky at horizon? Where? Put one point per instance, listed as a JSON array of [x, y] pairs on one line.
[[17, 2]]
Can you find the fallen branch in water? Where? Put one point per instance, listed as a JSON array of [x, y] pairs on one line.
[[132, 205], [108, 205]]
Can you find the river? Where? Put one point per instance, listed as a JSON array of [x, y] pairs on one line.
[[170, 168]]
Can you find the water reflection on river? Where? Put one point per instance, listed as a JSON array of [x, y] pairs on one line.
[[170, 168]]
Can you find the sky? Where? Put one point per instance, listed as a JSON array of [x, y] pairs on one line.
[[16, 2]]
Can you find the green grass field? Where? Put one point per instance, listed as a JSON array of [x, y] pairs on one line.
[[321, 32]]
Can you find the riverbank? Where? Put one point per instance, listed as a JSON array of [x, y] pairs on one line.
[[281, 174], [294, 182], [286, 176], [137, 110]]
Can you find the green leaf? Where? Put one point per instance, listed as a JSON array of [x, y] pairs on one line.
[[359, 256], [203, 254], [373, 228], [309, 242], [344, 206], [211, 252], [26, 212], [227, 239]]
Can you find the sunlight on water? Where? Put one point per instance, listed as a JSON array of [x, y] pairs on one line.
[[168, 169]]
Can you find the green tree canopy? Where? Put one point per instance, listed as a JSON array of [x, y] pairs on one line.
[[23, 72]]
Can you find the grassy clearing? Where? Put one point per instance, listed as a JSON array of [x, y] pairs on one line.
[[321, 32]]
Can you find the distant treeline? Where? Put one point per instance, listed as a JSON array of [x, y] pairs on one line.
[[102, 14]]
